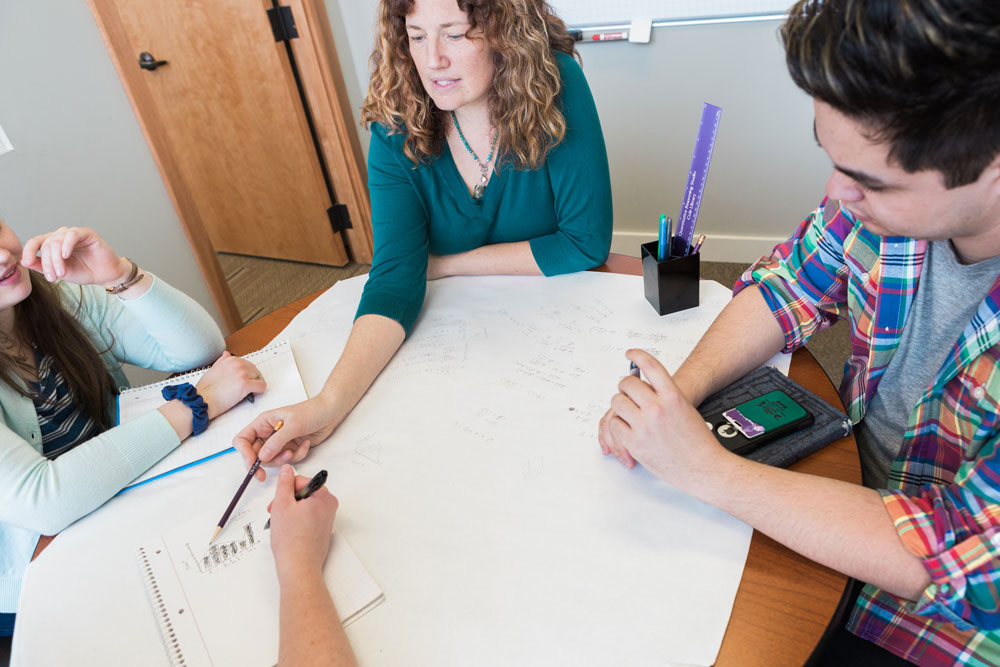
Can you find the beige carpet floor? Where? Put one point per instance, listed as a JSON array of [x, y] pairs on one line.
[[261, 285], [831, 347]]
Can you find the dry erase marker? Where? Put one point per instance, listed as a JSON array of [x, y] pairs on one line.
[[243, 487], [314, 485], [633, 369], [609, 36]]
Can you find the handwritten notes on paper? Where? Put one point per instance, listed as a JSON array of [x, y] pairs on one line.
[[473, 477], [470, 484]]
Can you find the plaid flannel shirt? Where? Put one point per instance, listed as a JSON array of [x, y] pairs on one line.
[[944, 495]]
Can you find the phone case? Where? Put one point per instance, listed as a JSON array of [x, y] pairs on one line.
[[829, 423], [754, 423]]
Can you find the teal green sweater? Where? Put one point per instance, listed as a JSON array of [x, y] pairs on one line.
[[563, 208]]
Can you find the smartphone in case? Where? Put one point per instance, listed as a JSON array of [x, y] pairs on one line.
[[744, 427]]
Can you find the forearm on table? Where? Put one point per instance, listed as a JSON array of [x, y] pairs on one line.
[[45, 495], [843, 526], [310, 631], [497, 259], [179, 417], [743, 337], [373, 341]]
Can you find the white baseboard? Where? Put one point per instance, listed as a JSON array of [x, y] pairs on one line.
[[717, 247]]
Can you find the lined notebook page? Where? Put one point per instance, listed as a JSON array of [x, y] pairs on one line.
[[218, 605], [284, 387]]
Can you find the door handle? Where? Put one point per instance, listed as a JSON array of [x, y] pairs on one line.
[[147, 61]]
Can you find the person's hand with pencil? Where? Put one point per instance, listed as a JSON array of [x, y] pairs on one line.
[[652, 422], [261, 440], [310, 629]]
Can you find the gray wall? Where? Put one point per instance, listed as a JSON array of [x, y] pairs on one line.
[[767, 171], [79, 156]]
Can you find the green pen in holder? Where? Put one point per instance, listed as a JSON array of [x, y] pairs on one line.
[[671, 284]]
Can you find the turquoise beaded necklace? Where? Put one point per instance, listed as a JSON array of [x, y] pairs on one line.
[[477, 192]]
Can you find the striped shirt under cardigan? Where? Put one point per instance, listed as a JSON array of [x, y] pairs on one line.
[[944, 495], [61, 418]]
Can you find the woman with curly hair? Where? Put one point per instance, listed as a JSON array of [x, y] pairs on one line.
[[486, 157]]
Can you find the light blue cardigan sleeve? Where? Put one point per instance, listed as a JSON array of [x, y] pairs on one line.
[[163, 329]]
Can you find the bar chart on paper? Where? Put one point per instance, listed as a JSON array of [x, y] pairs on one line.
[[224, 554], [203, 595]]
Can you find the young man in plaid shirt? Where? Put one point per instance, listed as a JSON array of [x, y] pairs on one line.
[[907, 246]]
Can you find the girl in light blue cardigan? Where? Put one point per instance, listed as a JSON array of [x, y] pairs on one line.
[[71, 312]]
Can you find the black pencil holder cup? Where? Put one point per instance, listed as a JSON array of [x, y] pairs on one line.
[[671, 284]]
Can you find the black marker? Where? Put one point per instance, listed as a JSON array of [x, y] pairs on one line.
[[314, 485]]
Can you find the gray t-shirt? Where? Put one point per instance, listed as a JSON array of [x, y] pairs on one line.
[[948, 295]]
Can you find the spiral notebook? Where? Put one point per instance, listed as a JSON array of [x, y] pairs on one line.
[[284, 387], [218, 605]]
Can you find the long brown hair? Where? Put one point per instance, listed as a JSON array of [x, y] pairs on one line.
[[526, 83], [41, 319]]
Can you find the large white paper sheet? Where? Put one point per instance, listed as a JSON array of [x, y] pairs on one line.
[[472, 488]]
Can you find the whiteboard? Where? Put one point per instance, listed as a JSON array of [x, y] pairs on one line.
[[588, 12]]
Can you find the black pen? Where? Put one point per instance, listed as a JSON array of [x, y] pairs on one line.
[[314, 485], [633, 369]]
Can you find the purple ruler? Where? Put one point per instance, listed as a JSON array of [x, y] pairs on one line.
[[701, 159]]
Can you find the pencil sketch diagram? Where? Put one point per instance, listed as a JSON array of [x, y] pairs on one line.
[[537, 335], [533, 468], [369, 450], [440, 347], [587, 417], [481, 425], [489, 416], [222, 554], [567, 316]]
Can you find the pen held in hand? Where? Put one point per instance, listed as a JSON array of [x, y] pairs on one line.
[[314, 485], [243, 487]]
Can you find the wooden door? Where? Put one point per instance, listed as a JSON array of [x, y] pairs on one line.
[[232, 119]]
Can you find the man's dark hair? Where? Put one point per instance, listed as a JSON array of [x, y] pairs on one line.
[[922, 75]]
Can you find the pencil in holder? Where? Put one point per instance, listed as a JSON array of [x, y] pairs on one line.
[[671, 284]]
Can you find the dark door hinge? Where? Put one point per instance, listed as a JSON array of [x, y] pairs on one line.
[[340, 218], [282, 23]]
